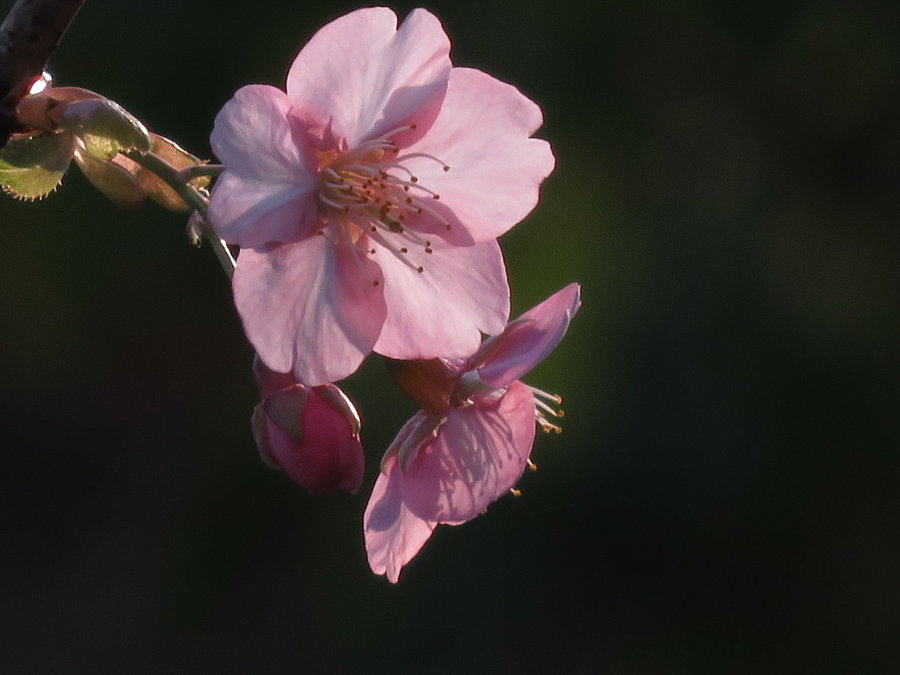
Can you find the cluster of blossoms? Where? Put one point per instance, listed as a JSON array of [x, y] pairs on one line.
[[366, 199]]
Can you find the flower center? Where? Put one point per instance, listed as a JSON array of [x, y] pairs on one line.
[[370, 190]]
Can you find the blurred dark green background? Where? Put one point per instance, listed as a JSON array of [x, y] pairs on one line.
[[724, 498]]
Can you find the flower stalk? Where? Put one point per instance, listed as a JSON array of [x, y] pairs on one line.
[[197, 198]]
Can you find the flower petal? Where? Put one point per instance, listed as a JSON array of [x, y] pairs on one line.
[[254, 138], [482, 133], [251, 213], [366, 77], [393, 534], [529, 339], [312, 307], [266, 193], [478, 454], [441, 311]]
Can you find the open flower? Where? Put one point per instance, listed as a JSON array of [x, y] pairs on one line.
[[309, 433], [470, 442], [368, 196]]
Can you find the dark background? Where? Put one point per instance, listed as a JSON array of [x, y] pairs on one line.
[[725, 496]]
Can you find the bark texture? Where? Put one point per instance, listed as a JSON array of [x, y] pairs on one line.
[[28, 36]]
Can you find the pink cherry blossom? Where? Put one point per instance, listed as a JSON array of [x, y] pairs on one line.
[[368, 195], [309, 433], [472, 439]]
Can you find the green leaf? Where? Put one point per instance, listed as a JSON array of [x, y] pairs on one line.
[[32, 166], [105, 127]]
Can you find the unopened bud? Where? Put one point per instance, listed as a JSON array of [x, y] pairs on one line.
[[309, 433], [341, 404], [285, 409]]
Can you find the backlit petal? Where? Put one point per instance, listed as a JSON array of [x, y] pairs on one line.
[[266, 193], [393, 534], [482, 133], [367, 77], [477, 456], [528, 340], [312, 307], [442, 310], [250, 213]]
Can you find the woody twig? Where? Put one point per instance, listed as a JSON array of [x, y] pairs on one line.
[[28, 36]]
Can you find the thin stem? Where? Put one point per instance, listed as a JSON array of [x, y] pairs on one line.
[[170, 176], [199, 171], [220, 248], [195, 198]]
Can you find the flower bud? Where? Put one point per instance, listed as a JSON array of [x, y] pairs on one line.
[[309, 433]]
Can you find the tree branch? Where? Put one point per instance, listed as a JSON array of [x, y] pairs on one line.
[[28, 36]]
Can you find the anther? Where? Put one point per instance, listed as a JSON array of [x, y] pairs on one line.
[[531, 465], [514, 492], [546, 425], [404, 250], [420, 269]]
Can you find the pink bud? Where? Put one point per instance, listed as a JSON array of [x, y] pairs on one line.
[[309, 433]]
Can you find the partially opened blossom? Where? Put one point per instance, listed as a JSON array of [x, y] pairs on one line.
[[367, 197], [309, 433], [472, 439]]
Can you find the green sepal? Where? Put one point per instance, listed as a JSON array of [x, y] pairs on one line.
[[32, 166]]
